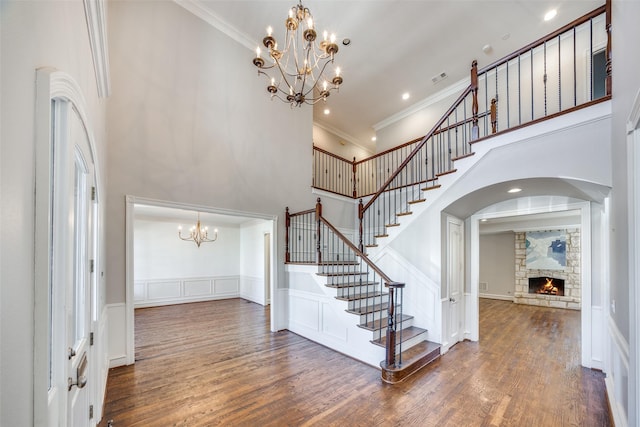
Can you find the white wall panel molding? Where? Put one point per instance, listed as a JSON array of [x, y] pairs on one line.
[[116, 334], [322, 318], [157, 292], [618, 377], [252, 289]]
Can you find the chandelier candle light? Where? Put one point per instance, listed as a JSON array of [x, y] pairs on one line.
[[198, 234], [300, 66]]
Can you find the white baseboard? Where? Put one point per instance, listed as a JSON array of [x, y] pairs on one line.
[[496, 296]]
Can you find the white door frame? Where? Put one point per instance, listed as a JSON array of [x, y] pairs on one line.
[[130, 202], [585, 272], [50, 403]]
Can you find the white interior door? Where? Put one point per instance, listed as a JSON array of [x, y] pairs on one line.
[[78, 292], [455, 279], [73, 236]]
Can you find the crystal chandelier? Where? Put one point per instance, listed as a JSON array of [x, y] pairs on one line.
[[198, 234], [298, 68]]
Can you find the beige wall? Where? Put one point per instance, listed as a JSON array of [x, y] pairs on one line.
[[190, 122]]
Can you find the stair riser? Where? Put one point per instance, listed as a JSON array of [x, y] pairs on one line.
[[410, 342], [383, 332], [376, 315], [356, 290], [339, 268], [365, 302]]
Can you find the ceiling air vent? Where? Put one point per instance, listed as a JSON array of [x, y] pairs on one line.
[[438, 77]]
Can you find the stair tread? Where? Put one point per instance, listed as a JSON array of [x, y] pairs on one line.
[[407, 334], [333, 263], [417, 201], [413, 359], [343, 273], [404, 213], [356, 297], [351, 284], [433, 187], [369, 308], [464, 156], [381, 235], [446, 172], [376, 325], [371, 246], [397, 224]]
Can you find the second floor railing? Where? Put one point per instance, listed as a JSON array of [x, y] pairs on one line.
[[567, 70]]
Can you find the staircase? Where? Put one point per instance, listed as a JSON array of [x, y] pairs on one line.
[[396, 184], [366, 292]]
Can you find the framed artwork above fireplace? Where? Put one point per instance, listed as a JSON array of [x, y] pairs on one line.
[[546, 250]]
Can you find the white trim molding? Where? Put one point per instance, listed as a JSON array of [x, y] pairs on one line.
[[199, 9], [95, 12]]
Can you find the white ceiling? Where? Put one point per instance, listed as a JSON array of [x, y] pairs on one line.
[[396, 46]]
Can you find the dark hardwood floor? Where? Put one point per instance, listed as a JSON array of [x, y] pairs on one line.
[[216, 363]]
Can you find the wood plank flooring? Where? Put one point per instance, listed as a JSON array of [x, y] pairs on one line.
[[216, 364]]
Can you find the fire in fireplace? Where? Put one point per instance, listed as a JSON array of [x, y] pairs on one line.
[[546, 286]]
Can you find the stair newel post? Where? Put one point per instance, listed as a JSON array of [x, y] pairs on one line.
[[391, 332], [494, 116], [318, 237], [355, 182], [360, 216], [475, 130], [287, 222]]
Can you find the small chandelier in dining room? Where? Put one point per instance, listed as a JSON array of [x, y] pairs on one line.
[[298, 70], [198, 234]]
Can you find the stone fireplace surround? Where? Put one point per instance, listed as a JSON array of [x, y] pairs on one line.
[[570, 275]]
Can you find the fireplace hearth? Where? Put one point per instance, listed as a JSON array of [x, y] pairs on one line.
[[546, 286]]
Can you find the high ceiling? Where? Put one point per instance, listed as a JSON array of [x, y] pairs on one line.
[[397, 46]]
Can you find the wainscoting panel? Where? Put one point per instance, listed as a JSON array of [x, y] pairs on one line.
[[156, 292], [226, 286], [305, 312], [117, 334], [618, 376], [163, 290], [196, 288]]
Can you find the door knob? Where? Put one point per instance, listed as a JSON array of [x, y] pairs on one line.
[[452, 300]]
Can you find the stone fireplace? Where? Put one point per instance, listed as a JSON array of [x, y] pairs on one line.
[[551, 288]]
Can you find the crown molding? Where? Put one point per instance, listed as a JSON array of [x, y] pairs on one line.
[[95, 13], [634, 117], [199, 9], [447, 92], [337, 132]]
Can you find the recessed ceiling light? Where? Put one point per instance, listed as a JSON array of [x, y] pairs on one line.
[[373, 138], [515, 190], [405, 96], [326, 111], [484, 220], [550, 15]]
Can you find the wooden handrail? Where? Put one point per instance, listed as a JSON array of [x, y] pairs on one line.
[[308, 211], [390, 150], [323, 151], [357, 251], [418, 147]]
